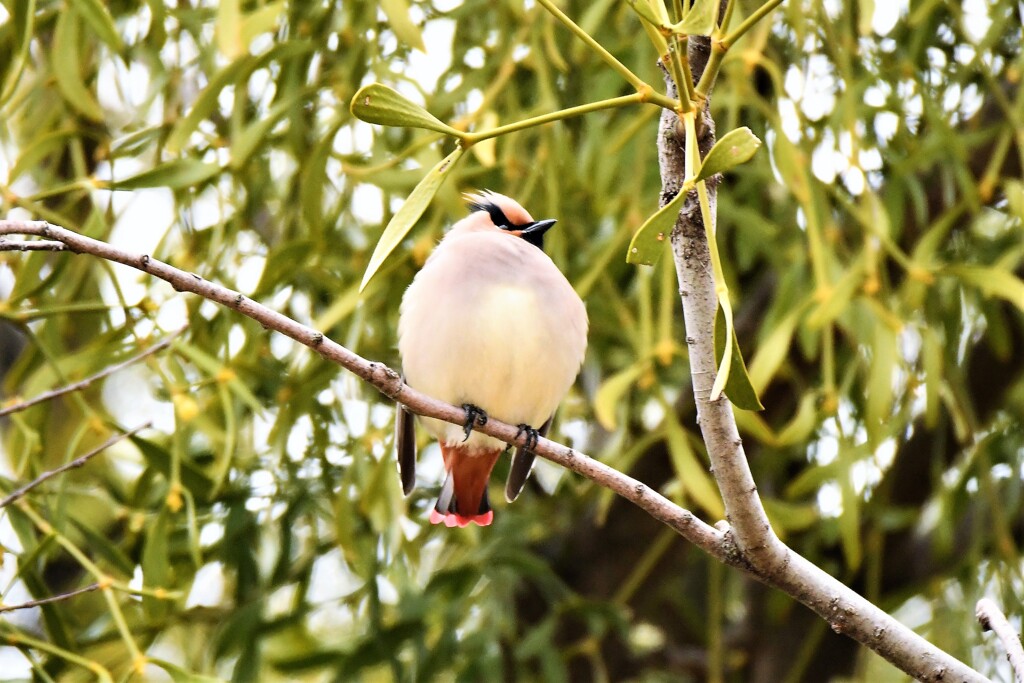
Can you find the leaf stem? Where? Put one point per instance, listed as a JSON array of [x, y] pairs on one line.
[[473, 138], [749, 22], [642, 87]]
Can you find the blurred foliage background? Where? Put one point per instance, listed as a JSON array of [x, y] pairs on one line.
[[874, 249]]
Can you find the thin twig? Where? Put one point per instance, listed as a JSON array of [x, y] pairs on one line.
[[82, 384], [992, 618], [46, 601], [77, 462], [39, 245]]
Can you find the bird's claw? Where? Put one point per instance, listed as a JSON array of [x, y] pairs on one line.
[[474, 417], [532, 436]]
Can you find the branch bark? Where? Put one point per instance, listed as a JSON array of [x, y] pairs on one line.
[[758, 548], [992, 618]]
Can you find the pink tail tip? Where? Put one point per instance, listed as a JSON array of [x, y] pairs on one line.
[[452, 519]]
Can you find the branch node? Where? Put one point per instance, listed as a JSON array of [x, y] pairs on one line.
[[239, 300], [318, 337], [144, 262]]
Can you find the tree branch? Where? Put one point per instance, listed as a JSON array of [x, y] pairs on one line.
[[992, 618], [82, 384], [37, 245], [756, 544], [390, 383], [46, 601], [77, 462]]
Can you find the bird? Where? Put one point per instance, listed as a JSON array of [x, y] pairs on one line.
[[489, 323]]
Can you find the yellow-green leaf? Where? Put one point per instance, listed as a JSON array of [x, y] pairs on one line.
[[879, 384], [260, 21], [693, 475], [376, 103], [227, 29], [799, 428], [609, 395], [732, 149], [175, 174], [787, 516], [98, 17], [204, 104], [992, 282], [700, 20], [773, 350], [643, 9], [401, 223], [67, 66], [737, 385], [649, 241], [397, 12], [245, 142]]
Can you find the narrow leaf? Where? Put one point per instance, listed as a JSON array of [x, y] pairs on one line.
[[732, 149], [700, 20], [98, 17], [609, 395], [648, 242], [397, 12], [66, 66], [992, 282], [646, 13], [175, 174], [260, 21], [204, 104], [376, 103], [691, 473], [737, 385], [401, 223]]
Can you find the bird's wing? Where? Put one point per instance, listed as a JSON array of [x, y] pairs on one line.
[[405, 444], [522, 463]]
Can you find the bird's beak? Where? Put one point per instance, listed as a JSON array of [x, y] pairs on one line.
[[537, 228]]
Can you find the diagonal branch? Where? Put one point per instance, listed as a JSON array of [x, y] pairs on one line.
[[77, 462], [82, 384], [389, 383]]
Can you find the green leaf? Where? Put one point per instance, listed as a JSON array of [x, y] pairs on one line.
[[732, 149], [180, 674], [773, 350], [397, 12], [98, 17], [227, 30], [692, 474], [204, 104], [646, 13], [649, 241], [700, 20], [156, 563], [22, 23], [260, 21], [801, 425], [881, 369], [376, 103], [610, 393], [67, 66], [992, 282], [175, 174], [737, 386], [787, 516], [245, 142], [403, 221], [157, 457]]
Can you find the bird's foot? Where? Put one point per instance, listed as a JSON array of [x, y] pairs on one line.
[[532, 436], [475, 417]]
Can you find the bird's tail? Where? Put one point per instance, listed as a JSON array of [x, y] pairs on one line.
[[463, 496]]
